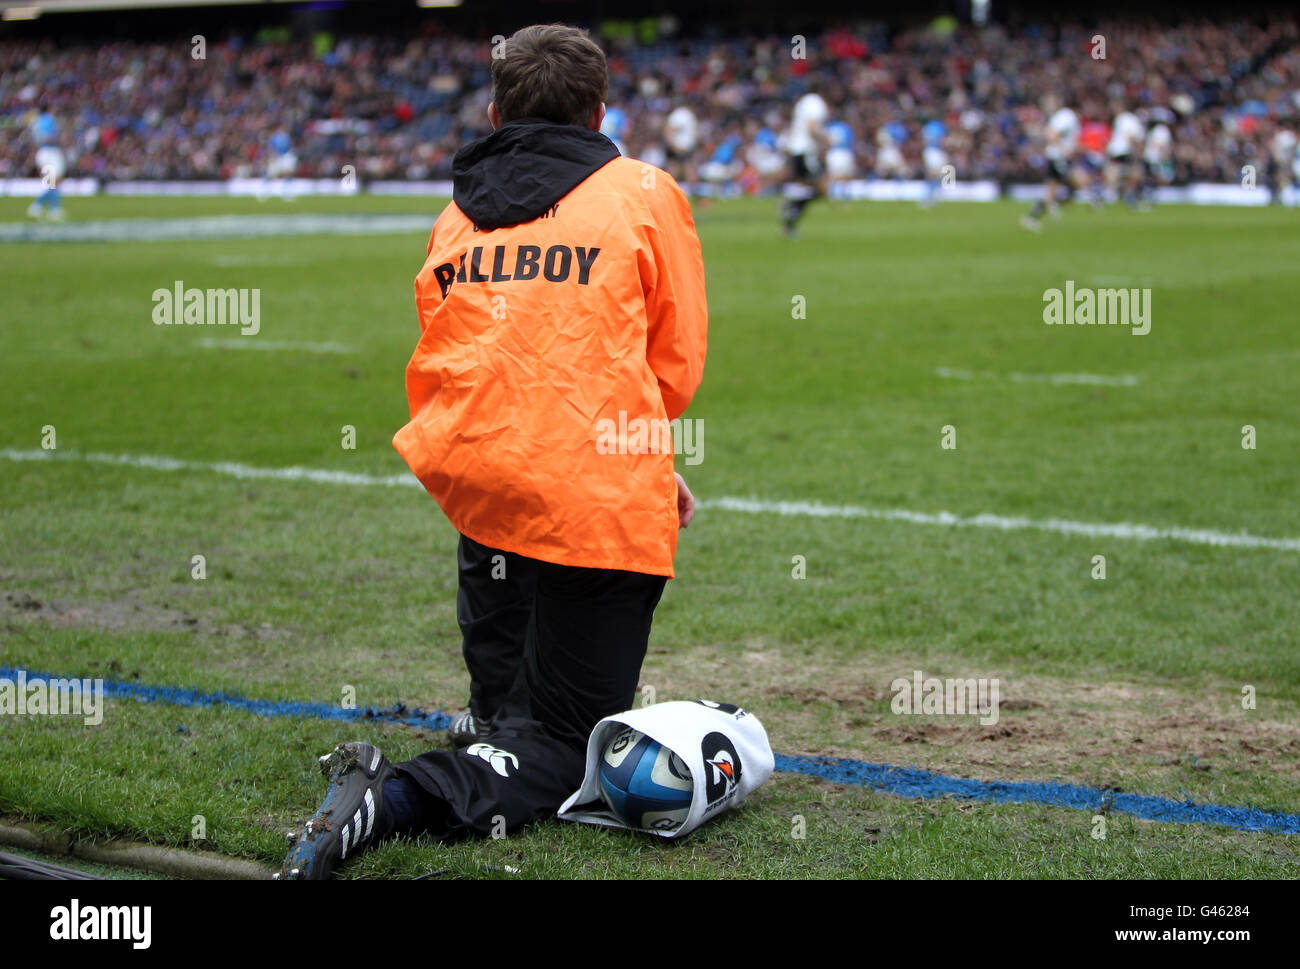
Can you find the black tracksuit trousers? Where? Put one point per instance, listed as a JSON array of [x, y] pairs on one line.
[[551, 650]]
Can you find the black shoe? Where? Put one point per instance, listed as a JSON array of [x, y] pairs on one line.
[[464, 730], [351, 816]]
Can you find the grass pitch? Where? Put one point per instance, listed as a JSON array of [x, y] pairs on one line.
[[822, 385]]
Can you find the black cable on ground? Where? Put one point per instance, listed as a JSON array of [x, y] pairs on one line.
[[18, 868]]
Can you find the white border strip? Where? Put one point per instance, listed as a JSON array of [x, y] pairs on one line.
[[236, 343], [1125, 380], [804, 509], [1144, 533], [233, 469]]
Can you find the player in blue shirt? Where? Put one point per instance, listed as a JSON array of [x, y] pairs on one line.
[[724, 165], [281, 164], [933, 158], [51, 166]]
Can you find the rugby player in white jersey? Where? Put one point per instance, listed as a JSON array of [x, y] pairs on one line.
[[1124, 155], [1283, 162], [1158, 152], [681, 139], [806, 144], [1060, 142]]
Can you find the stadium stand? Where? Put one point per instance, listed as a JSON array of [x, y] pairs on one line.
[[398, 108]]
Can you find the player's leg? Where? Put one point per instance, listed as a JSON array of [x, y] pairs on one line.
[[694, 189], [679, 168], [1279, 178], [585, 646], [354, 814], [586, 640], [931, 188], [803, 188], [1147, 182], [1135, 178], [494, 603], [1052, 188], [1111, 179], [55, 200], [46, 201], [1126, 186], [787, 188], [1082, 181]]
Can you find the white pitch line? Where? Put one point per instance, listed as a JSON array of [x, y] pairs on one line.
[[230, 468], [259, 261], [1122, 281], [805, 509], [1062, 526], [1125, 380], [253, 343]]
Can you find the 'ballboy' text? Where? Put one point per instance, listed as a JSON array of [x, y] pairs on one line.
[[501, 265]]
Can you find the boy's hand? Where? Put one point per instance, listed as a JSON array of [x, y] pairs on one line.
[[685, 502]]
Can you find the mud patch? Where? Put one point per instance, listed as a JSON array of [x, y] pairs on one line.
[[951, 735], [122, 616], [1152, 737]]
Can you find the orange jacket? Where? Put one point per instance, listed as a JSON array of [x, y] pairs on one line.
[[537, 339]]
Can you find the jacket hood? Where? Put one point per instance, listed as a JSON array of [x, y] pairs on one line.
[[523, 168]]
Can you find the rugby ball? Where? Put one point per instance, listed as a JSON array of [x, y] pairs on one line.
[[644, 783]]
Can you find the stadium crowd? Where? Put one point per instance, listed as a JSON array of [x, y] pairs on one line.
[[399, 107]]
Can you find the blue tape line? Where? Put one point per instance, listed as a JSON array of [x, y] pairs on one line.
[[262, 708], [902, 781], [913, 782]]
